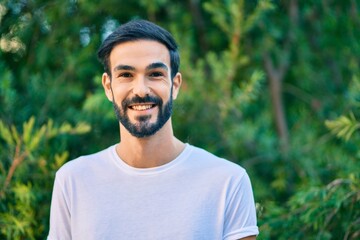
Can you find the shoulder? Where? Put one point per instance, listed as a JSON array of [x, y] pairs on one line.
[[85, 164], [203, 159]]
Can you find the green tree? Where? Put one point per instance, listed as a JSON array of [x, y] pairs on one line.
[[271, 85]]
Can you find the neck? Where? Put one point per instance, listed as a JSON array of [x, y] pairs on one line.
[[152, 151]]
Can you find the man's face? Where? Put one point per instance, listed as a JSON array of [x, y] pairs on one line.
[[140, 87]]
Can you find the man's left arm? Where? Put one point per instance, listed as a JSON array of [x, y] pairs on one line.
[[240, 215], [248, 238]]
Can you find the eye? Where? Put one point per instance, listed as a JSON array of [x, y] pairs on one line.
[[125, 75], [156, 74]]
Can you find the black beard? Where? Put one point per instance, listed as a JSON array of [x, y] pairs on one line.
[[143, 128]]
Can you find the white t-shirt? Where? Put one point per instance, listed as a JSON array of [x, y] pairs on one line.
[[196, 196]]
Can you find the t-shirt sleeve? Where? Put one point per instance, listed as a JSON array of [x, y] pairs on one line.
[[59, 213], [240, 213]]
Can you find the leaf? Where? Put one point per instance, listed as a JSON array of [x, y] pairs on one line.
[[6, 134], [36, 138], [27, 129], [343, 127], [60, 159], [82, 128], [15, 135]]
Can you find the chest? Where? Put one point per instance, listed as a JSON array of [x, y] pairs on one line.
[[188, 207]]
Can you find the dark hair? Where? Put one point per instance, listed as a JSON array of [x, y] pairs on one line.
[[139, 30]]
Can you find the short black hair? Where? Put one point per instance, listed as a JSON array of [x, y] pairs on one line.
[[139, 30]]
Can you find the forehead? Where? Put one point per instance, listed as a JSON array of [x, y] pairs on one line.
[[139, 54]]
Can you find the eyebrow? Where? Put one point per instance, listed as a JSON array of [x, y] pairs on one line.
[[149, 67], [157, 65], [123, 67]]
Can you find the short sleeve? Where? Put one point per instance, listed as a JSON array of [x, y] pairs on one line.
[[59, 214], [240, 214]]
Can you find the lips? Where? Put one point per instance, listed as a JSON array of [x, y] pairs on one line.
[[137, 103], [142, 107]]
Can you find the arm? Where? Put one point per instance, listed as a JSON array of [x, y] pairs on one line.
[[240, 214], [59, 214], [249, 238]]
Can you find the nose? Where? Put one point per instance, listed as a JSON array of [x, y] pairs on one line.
[[140, 87]]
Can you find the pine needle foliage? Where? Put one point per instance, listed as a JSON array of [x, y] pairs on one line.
[[26, 175], [243, 62]]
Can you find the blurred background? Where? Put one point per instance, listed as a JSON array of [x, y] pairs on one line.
[[271, 85]]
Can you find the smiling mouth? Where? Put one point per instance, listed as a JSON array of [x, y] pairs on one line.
[[142, 107]]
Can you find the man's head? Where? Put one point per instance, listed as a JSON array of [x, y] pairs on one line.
[[139, 30], [141, 76]]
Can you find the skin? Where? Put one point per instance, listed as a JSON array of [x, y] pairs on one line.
[[139, 68], [133, 74], [249, 238]]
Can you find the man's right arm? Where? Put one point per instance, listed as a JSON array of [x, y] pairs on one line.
[[60, 227]]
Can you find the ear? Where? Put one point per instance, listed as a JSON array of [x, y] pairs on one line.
[[177, 80], [106, 82]]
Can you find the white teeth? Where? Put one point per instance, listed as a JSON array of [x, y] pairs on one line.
[[141, 107]]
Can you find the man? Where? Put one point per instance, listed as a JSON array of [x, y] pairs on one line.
[[150, 185]]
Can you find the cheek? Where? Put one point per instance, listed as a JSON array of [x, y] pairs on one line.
[[161, 89], [168, 95], [119, 92]]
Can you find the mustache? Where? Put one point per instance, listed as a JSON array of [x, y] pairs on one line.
[[137, 99]]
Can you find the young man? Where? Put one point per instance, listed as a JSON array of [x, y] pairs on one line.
[[150, 185]]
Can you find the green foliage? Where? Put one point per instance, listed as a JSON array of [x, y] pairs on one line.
[[223, 83], [19, 220], [231, 52], [343, 126], [21, 193], [322, 212]]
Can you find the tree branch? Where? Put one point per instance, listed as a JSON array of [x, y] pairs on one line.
[[276, 76], [17, 160]]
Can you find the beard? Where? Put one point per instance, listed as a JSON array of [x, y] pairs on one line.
[[143, 127]]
